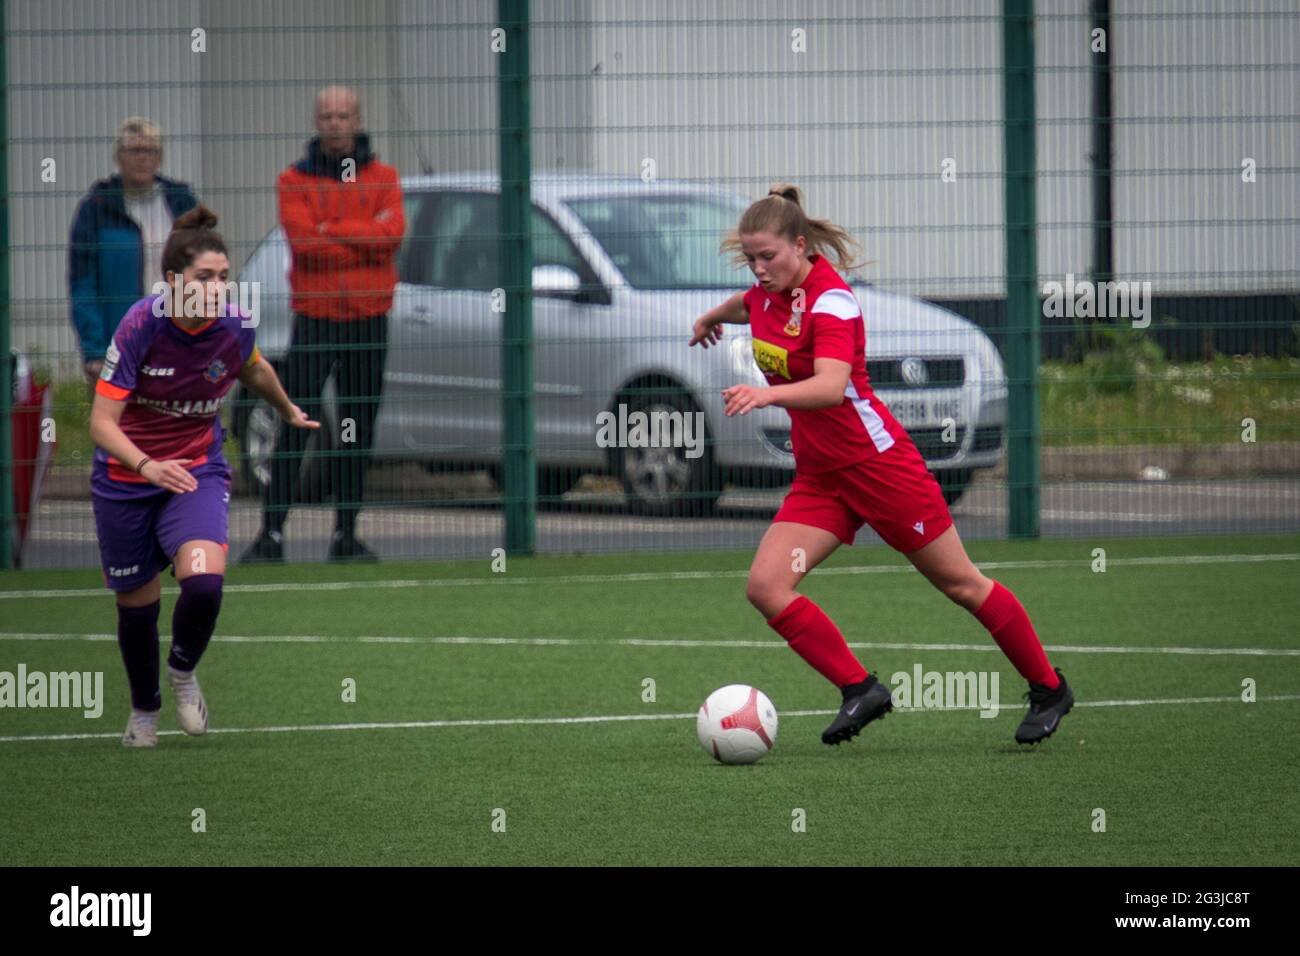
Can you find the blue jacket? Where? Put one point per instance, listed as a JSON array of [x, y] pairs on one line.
[[106, 259]]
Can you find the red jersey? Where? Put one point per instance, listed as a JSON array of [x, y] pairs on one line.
[[830, 325]]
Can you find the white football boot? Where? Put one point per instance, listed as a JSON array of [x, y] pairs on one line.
[[191, 708], [141, 729]]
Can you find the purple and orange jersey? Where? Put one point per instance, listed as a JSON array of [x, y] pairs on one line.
[[173, 381]]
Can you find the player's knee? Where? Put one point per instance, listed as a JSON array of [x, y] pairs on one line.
[[197, 558], [203, 590], [965, 592], [766, 593]]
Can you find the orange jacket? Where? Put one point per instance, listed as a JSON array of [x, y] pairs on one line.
[[343, 235]]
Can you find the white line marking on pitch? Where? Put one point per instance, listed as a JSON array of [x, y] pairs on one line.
[[665, 642], [612, 718], [639, 576]]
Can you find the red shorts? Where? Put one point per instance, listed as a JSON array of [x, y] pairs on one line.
[[893, 492]]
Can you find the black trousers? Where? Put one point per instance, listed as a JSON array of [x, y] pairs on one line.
[[354, 352]]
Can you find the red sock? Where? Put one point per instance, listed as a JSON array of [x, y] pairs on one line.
[[1006, 620], [816, 639]]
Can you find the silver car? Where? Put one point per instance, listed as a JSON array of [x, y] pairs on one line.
[[622, 268]]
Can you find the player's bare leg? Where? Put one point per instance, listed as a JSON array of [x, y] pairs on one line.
[[786, 554], [947, 566], [199, 557], [144, 595], [200, 568], [137, 648]]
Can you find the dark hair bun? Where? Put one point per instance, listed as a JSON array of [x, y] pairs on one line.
[[786, 192], [200, 217]]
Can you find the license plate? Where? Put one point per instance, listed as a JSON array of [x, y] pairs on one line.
[[913, 412]]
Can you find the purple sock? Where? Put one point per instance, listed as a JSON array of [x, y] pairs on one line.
[[137, 638], [194, 619]]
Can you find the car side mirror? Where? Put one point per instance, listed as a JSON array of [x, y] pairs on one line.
[[558, 281]]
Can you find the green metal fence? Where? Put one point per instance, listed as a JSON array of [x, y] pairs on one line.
[[1080, 218]]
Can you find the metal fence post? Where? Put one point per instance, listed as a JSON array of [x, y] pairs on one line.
[[519, 460], [1023, 308], [8, 520]]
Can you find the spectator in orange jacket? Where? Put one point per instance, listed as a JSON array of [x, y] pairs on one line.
[[341, 210]]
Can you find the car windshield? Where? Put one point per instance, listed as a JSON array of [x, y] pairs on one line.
[[666, 242]]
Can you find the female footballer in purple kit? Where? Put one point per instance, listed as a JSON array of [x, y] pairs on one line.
[[160, 483], [854, 465]]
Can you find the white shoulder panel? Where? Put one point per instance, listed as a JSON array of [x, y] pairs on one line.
[[837, 302]]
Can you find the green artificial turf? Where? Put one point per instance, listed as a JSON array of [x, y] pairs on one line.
[[281, 779]]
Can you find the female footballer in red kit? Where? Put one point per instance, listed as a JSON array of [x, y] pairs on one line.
[[854, 464]]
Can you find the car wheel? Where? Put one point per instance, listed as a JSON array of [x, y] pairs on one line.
[[663, 481], [257, 441], [953, 482], [256, 438]]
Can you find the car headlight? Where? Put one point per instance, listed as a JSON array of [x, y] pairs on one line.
[[991, 372]]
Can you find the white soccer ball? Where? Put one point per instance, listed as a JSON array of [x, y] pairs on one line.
[[737, 724]]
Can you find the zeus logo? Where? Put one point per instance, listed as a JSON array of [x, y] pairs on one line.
[[150, 370]]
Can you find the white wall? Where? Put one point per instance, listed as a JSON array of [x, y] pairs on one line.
[[709, 91]]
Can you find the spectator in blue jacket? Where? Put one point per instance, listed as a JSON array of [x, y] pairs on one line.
[[120, 227]]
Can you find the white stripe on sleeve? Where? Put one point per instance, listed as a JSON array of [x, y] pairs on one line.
[[837, 302]]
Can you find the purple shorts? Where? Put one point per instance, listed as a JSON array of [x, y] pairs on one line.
[[139, 537]]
